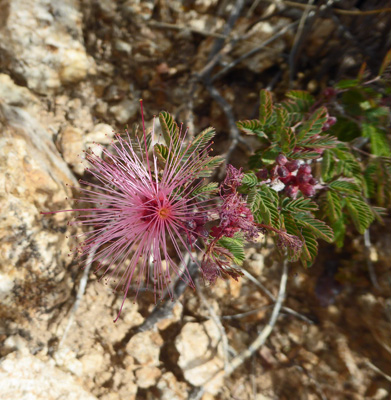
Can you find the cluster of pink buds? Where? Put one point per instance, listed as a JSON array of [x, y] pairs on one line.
[[295, 177]]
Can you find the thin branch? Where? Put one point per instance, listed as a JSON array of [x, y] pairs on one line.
[[267, 330], [379, 371], [257, 343], [371, 269], [288, 310], [164, 309], [166, 25], [79, 295], [298, 41], [235, 13], [253, 51], [234, 133], [335, 10]]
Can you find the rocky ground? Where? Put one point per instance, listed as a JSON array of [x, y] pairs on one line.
[[71, 73]]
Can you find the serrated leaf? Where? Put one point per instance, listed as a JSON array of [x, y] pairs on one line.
[[301, 204], [169, 128], [235, 247], [252, 127], [345, 187], [360, 213], [265, 107], [319, 228]]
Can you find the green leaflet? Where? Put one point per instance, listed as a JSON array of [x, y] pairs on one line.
[[200, 141], [169, 128], [202, 192], [300, 204], [265, 107], [235, 247], [210, 166], [345, 187], [252, 127], [333, 206], [250, 179], [318, 228], [313, 126], [378, 139], [360, 213]]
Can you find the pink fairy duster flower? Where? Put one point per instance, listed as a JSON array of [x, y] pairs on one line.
[[143, 215]]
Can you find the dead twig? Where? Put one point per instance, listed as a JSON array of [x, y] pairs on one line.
[[253, 51], [79, 295], [164, 309], [258, 342], [176, 27], [371, 269], [379, 371], [272, 298], [298, 41], [335, 10]]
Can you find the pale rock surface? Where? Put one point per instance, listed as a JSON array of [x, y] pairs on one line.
[[145, 348], [125, 110], [147, 376], [200, 355], [71, 146], [43, 43], [171, 389], [32, 179], [25, 377]]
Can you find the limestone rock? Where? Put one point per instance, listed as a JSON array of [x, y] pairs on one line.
[[25, 377], [171, 389], [43, 43], [200, 354], [71, 147], [32, 247], [145, 348], [147, 376]]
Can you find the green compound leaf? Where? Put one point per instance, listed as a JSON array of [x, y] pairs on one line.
[[162, 152], [252, 127], [314, 124], [265, 107], [318, 228], [200, 141], [169, 128], [235, 247], [210, 166], [378, 140], [345, 187], [204, 191], [250, 179], [298, 205], [360, 213], [333, 206]]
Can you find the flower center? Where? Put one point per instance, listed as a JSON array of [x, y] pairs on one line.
[[164, 212]]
